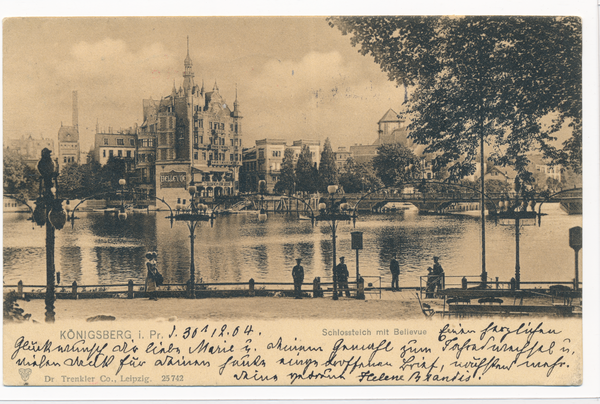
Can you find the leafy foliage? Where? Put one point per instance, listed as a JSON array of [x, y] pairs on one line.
[[358, 177], [395, 164], [482, 78], [19, 179], [287, 179], [328, 172], [306, 172]]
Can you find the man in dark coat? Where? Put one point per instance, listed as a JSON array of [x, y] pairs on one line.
[[438, 273], [342, 277], [395, 270], [298, 275]]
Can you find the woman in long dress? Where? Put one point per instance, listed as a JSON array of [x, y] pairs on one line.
[[150, 277]]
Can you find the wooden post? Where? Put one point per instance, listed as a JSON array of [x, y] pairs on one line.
[[20, 289], [251, 287], [130, 289], [74, 290]]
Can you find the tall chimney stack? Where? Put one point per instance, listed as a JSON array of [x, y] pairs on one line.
[[75, 111]]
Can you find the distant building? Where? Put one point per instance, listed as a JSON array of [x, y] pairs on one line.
[[29, 148], [341, 156], [68, 138], [264, 160], [391, 129], [120, 145], [363, 153]]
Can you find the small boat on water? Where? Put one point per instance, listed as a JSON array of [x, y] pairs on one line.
[[399, 207]]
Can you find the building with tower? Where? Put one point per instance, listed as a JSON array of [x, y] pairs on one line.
[[198, 139], [68, 139]]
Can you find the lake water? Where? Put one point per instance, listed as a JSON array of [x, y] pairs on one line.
[[100, 249]]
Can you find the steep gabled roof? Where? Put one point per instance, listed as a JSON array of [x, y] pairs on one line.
[[390, 116]]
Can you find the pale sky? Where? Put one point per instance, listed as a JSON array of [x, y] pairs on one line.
[[296, 76]]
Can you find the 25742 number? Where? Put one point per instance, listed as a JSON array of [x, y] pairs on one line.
[[172, 378]]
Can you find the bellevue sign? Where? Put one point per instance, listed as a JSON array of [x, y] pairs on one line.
[[173, 179]]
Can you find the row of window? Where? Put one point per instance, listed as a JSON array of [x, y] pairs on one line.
[[215, 125], [68, 159], [111, 153], [198, 140], [120, 142], [147, 142], [217, 156]]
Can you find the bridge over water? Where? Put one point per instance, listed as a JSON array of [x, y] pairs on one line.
[[429, 202]]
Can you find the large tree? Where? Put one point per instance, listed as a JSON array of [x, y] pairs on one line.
[[395, 164], [305, 171], [482, 78], [328, 172], [287, 179], [18, 178], [359, 177], [80, 181]]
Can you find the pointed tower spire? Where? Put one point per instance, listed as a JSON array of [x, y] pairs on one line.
[[188, 74], [202, 89], [174, 90], [236, 104], [216, 88]]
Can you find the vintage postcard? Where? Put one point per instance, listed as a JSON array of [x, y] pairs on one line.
[[294, 201]]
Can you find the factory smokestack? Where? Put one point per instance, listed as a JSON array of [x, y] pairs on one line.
[[75, 110]]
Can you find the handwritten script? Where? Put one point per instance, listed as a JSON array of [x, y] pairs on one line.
[[542, 351]]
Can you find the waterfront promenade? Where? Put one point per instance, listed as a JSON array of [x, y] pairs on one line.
[[392, 306]]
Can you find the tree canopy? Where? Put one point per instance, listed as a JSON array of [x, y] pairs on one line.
[[395, 164], [358, 177], [305, 171], [482, 77], [287, 179], [19, 179], [328, 172]]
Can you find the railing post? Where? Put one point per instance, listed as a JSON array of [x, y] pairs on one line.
[[513, 284], [74, 290], [20, 289], [464, 282], [360, 293], [251, 287], [130, 289], [317, 287], [497, 283]]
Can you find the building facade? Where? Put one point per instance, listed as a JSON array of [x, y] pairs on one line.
[[198, 140], [341, 156], [29, 148], [68, 138], [263, 161]]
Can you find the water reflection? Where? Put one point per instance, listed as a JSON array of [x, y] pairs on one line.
[[101, 249]]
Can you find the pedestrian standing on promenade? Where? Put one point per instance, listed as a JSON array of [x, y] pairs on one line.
[[342, 276], [395, 270], [151, 276], [430, 283], [298, 275], [438, 272]]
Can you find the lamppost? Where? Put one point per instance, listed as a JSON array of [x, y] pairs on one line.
[[48, 211], [333, 213], [122, 214], [517, 211], [193, 214]]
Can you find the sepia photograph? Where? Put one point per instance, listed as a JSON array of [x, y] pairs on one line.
[[344, 200]]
